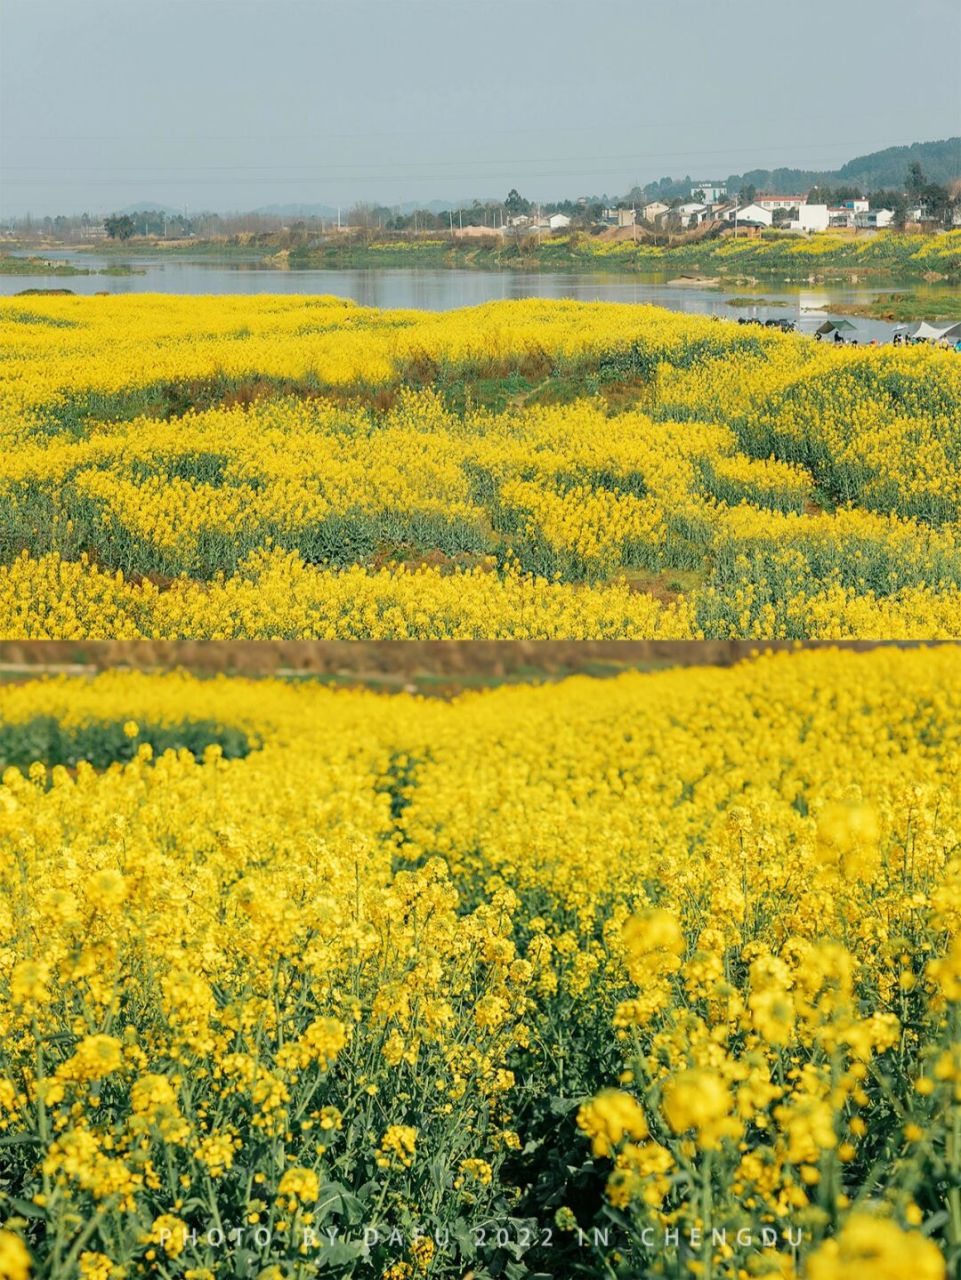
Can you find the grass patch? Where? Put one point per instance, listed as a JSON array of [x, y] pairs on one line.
[[102, 743], [11, 266]]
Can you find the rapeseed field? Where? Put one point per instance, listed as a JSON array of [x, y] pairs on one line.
[[656, 975], [307, 468]]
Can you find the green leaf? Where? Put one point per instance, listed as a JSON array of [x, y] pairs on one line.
[[336, 1255], [561, 1106], [336, 1199], [27, 1208]]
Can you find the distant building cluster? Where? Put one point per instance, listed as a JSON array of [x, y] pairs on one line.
[[709, 202], [797, 213], [519, 224]]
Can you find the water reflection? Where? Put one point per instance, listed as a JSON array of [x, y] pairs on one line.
[[441, 290]]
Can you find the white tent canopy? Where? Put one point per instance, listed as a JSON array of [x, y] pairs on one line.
[[932, 332]]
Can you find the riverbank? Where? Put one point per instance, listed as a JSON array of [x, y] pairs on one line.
[[35, 266], [905, 307], [11, 265], [773, 255]]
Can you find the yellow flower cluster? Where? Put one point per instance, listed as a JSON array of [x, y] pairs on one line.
[[276, 595], [779, 250], [382, 970], [215, 467]]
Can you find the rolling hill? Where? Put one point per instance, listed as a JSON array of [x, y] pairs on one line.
[[940, 162]]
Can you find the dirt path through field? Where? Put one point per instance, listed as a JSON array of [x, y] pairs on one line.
[[427, 666]]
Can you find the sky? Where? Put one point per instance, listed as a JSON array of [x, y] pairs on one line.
[[237, 104]]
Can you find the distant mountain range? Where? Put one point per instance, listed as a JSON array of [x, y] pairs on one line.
[[940, 161], [150, 206], [330, 211], [297, 210]]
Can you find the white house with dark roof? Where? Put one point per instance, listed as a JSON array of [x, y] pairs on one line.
[[874, 219], [691, 214], [748, 215]]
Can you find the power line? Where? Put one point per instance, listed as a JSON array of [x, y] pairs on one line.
[[337, 167], [439, 164], [422, 171], [673, 121]]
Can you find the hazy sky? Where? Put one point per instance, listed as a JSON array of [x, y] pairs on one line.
[[231, 104]]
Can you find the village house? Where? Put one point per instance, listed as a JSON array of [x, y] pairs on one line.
[[621, 217], [709, 192], [874, 219], [654, 210], [691, 214], [771, 202], [843, 215], [748, 215], [810, 217]]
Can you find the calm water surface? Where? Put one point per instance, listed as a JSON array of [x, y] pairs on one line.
[[442, 290]]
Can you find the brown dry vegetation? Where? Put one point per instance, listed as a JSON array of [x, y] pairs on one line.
[[387, 662]]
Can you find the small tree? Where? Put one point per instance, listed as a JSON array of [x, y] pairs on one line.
[[515, 204], [916, 181], [936, 202], [119, 226]]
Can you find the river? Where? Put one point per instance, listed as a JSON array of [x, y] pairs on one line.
[[443, 290]]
